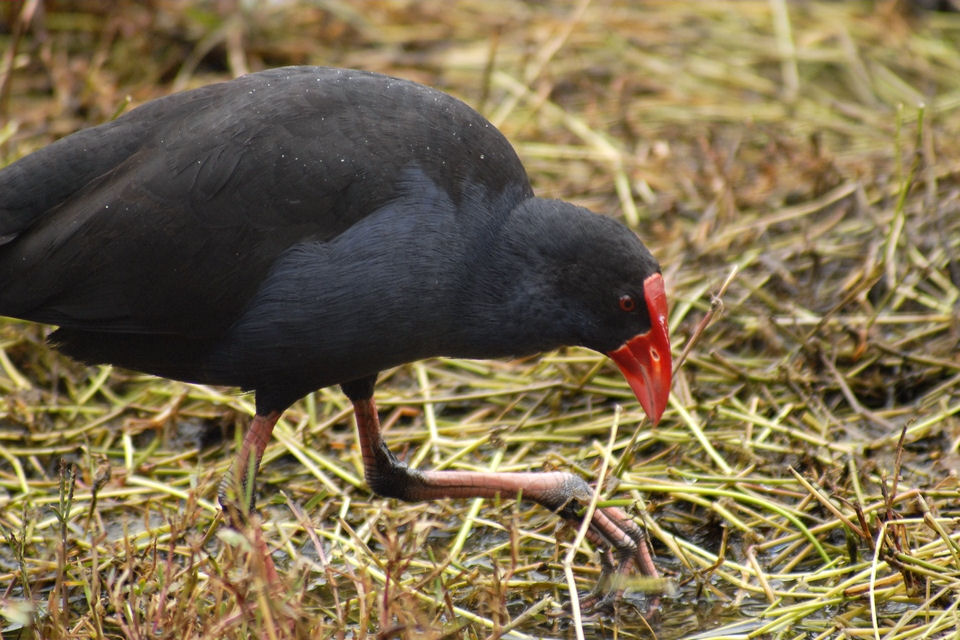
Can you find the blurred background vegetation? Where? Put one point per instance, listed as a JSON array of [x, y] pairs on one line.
[[795, 168]]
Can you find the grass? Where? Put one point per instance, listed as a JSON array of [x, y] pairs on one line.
[[794, 168]]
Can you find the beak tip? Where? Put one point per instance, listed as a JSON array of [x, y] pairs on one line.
[[654, 398], [655, 415]]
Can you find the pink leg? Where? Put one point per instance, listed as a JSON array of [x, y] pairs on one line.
[[236, 488], [563, 493]]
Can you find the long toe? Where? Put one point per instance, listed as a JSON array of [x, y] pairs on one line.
[[623, 545]]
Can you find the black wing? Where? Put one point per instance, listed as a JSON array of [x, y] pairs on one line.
[[166, 220]]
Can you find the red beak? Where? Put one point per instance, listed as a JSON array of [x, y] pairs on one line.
[[644, 359]]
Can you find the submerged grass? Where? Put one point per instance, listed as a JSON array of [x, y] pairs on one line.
[[793, 167]]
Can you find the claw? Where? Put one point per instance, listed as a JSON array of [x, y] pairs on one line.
[[622, 543]]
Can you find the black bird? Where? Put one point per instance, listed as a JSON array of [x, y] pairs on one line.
[[304, 227]]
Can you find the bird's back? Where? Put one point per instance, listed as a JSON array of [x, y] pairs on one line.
[[166, 220]]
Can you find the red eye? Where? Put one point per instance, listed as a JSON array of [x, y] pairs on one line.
[[627, 303]]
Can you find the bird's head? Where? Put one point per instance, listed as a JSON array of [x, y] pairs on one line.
[[597, 283]]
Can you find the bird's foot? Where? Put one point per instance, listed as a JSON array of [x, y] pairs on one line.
[[236, 512], [607, 595], [623, 545], [239, 515]]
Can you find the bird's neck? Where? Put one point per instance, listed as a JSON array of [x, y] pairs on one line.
[[507, 295]]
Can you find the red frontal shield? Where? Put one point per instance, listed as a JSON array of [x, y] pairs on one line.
[[645, 359]]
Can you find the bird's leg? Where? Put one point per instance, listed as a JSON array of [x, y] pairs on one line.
[[236, 488], [563, 493]]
